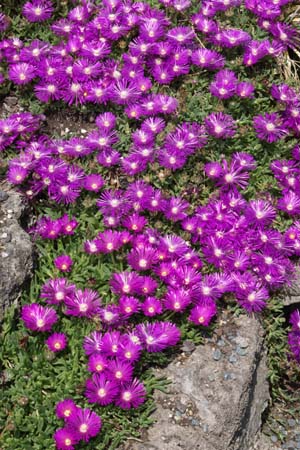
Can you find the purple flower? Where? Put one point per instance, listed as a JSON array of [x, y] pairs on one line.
[[38, 318], [101, 389], [177, 300], [157, 336], [220, 125], [289, 203], [253, 299], [203, 314], [65, 439], [294, 344], [120, 371], [21, 73], [175, 209], [129, 351], [37, 10], [134, 222], [283, 93], [295, 320], [131, 395], [125, 283], [92, 344], [269, 127], [56, 290], [97, 363], [260, 213], [111, 343], [4, 22], [128, 305], [232, 37], [142, 258], [151, 306], [83, 303], [286, 33], [106, 120], [16, 174], [56, 342], [63, 263], [65, 409], [224, 84], [93, 182], [245, 89], [84, 423]]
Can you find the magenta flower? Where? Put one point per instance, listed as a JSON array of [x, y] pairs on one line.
[[97, 363], [142, 258], [131, 395], [269, 127], [65, 409], [294, 344], [129, 351], [56, 290], [65, 439], [125, 283], [93, 182], [245, 89], [38, 10], [111, 343], [260, 213], [120, 371], [128, 305], [92, 344], [83, 303], [63, 263], [177, 300], [84, 423], [203, 314], [56, 342], [16, 174], [151, 307], [175, 209], [253, 299], [21, 73], [101, 389], [38, 318], [157, 336], [295, 320], [220, 125]]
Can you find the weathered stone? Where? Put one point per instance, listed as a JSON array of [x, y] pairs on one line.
[[228, 410], [291, 294], [15, 253], [264, 443]]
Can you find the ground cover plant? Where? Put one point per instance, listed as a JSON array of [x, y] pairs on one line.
[[181, 200]]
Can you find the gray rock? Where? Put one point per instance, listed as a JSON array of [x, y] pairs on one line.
[[188, 346], [290, 445], [291, 294], [232, 358], [264, 443], [217, 355], [229, 411], [291, 422], [15, 253], [3, 196]]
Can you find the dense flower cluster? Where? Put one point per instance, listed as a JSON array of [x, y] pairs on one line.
[[80, 425], [80, 67], [294, 335], [18, 129], [234, 239], [48, 228]]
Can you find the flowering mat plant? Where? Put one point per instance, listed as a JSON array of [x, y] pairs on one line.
[[181, 200]]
